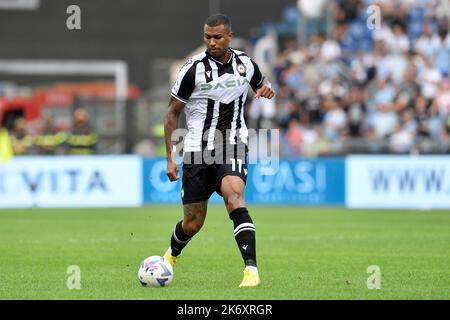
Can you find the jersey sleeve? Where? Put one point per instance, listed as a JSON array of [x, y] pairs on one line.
[[185, 82], [257, 78]]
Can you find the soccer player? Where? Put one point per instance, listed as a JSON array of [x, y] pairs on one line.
[[212, 89]]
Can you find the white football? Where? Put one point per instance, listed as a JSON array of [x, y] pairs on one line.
[[155, 271]]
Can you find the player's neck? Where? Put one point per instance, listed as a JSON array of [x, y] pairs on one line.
[[225, 57]]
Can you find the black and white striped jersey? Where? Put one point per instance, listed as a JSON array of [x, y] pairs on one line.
[[215, 94]]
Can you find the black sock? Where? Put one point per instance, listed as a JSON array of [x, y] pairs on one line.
[[244, 234], [179, 239]]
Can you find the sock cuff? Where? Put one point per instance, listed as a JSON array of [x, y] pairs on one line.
[[179, 235], [236, 213]]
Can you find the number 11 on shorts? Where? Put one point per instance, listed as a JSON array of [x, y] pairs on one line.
[[233, 164]]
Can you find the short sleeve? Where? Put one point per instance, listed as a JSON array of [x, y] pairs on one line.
[[185, 83], [257, 78]]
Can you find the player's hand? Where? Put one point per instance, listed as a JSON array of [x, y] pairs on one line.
[[172, 170], [265, 91]]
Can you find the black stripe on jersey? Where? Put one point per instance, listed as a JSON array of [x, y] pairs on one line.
[[207, 123], [225, 68], [208, 70], [257, 79], [187, 84], [226, 113], [238, 120]]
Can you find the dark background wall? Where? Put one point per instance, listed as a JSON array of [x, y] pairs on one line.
[[137, 31]]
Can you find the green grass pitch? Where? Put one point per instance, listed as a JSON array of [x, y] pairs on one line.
[[303, 253]]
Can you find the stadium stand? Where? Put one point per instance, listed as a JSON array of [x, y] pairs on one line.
[[358, 90]]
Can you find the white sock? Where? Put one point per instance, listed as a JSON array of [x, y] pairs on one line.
[[252, 269]]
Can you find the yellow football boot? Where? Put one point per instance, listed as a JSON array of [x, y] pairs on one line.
[[251, 278], [169, 257]]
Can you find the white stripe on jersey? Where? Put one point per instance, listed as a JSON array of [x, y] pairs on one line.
[[234, 122], [212, 129], [243, 131]]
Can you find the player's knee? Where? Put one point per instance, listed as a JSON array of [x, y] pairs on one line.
[[192, 227], [235, 200]]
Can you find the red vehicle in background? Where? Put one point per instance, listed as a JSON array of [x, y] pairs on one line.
[[56, 101]]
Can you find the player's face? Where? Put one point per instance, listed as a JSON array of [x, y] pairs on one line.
[[217, 40]]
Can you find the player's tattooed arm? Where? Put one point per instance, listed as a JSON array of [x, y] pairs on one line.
[[170, 124]]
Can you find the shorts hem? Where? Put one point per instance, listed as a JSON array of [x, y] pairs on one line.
[[189, 201]]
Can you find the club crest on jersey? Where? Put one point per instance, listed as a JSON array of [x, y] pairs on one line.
[[241, 69]]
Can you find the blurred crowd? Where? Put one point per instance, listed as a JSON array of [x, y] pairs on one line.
[[49, 139], [356, 83], [367, 87]]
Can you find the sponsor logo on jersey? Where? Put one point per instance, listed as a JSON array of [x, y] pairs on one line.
[[223, 84]]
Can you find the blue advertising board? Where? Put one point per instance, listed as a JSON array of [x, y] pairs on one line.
[[303, 182]]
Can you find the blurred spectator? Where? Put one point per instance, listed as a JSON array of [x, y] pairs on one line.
[[401, 140], [408, 121], [428, 43], [49, 141], [435, 124], [6, 150], [21, 141], [261, 113], [384, 118], [356, 109], [442, 59], [335, 119], [430, 78], [294, 138], [81, 140], [313, 141], [400, 42], [408, 89], [312, 13], [442, 99]]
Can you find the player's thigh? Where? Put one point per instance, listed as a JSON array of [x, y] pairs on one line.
[[231, 176], [232, 185]]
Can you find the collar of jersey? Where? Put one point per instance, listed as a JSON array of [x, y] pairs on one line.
[[217, 61]]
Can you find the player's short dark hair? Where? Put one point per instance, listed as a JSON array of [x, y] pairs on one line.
[[217, 20]]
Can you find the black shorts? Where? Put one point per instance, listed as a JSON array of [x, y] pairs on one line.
[[200, 180]]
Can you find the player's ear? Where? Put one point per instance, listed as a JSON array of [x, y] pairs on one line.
[[230, 35]]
